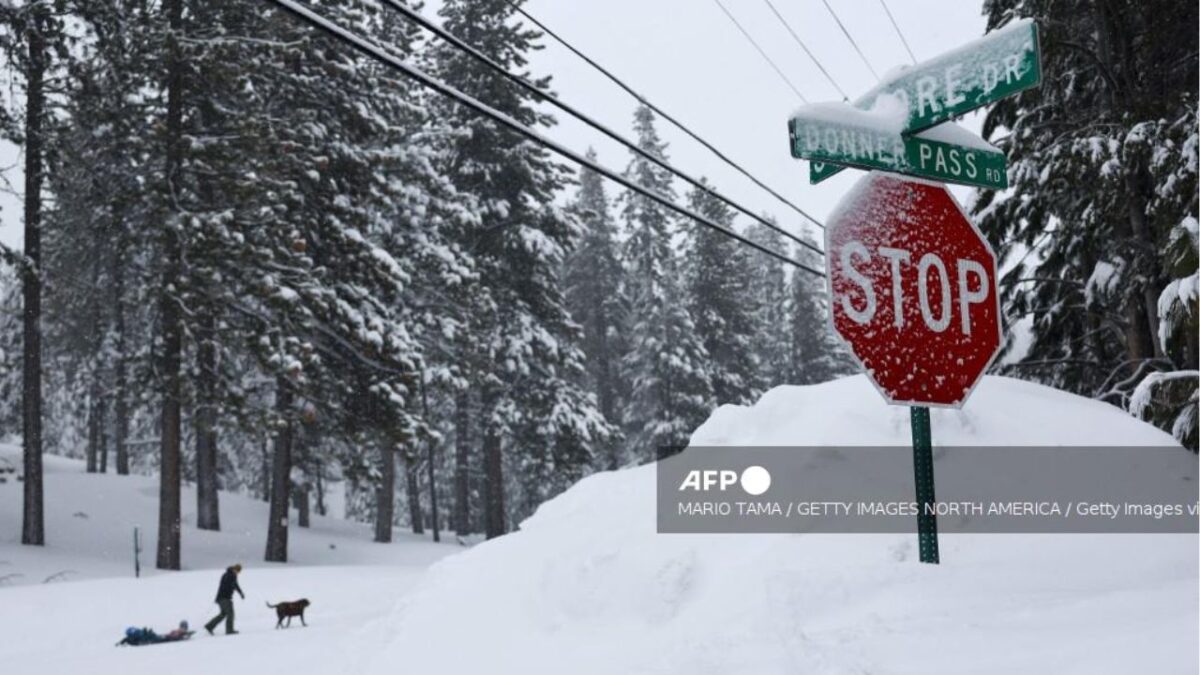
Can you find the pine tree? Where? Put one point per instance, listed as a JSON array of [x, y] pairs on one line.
[[1102, 166], [771, 339], [815, 354], [525, 344], [667, 365], [594, 279], [719, 286]]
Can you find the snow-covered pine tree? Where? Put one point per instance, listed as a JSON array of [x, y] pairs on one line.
[[526, 357], [667, 365], [718, 275], [32, 39], [594, 279], [814, 354], [1102, 167], [771, 339]]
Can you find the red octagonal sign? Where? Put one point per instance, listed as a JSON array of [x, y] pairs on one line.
[[912, 290]]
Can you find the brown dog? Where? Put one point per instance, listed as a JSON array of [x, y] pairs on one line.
[[286, 610]]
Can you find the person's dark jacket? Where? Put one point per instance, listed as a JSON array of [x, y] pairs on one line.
[[228, 585]]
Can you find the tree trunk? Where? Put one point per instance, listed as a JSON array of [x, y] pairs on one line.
[[300, 498], [433, 497], [412, 489], [493, 475], [33, 524], [265, 471], [169, 447], [320, 490], [120, 386], [103, 447], [462, 463], [281, 469], [208, 513], [93, 425], [385, 494]]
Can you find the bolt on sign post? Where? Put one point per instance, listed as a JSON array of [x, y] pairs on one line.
[[912, 288], [912, 282]]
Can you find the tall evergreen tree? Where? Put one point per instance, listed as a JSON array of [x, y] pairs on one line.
[[815, 355], [525, 353], [671, 392], [594, 278], [1102, 166], [719, 286], [32, 39], [771, 339]]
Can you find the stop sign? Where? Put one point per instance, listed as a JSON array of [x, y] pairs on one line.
[[912, 290]]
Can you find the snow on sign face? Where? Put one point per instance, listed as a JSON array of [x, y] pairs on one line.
[[912, 289]]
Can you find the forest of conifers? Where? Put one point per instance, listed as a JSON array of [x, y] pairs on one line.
[[256, 261]]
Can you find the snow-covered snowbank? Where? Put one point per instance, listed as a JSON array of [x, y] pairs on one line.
[[587, 586]]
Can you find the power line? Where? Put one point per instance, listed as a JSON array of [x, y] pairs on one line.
[[520, 81], [850, 38], [382, 56], [761, 52], [661, 113], [898, 31], [805, 48]]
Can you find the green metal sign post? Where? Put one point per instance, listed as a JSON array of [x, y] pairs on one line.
[[922, 442], [948, 154], [1000, 64]]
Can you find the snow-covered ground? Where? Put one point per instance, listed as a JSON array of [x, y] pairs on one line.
[[70, 624], [587, 586]]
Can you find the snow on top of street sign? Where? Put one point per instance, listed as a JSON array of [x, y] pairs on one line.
[[1000, 63], [886, 115], [955, 134]]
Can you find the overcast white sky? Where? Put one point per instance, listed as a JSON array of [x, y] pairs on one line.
[[686, 57]]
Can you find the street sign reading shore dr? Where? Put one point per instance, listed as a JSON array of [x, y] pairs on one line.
[[912, 287], [1000, 64], [946, 153]]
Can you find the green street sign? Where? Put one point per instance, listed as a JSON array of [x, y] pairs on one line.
[[997, 65], [848, 137]]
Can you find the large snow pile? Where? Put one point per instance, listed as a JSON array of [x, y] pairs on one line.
[[587, 586]]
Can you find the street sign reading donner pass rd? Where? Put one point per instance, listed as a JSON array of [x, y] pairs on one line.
[[946, 153], [912, 283]]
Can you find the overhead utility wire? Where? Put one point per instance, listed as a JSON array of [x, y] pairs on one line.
[[898, 31], [570, 110], [761, 52], [382, 56], [806, 49], [850, 38], [660, 112]]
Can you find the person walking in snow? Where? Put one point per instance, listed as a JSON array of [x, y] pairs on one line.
[[229, 584]]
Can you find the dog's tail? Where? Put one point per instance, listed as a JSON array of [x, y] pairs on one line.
[[270, 606]]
